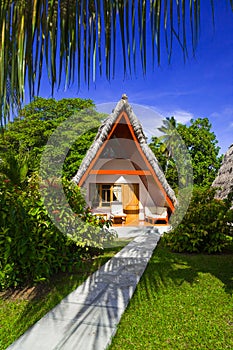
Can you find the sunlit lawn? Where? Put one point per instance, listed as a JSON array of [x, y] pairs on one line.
[[182, 302]]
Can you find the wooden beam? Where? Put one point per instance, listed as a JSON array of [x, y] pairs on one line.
[[119, 172]]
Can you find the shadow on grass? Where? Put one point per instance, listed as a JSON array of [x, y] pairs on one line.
[[108, 291], [164, 269], [36, 301], [166, 266]]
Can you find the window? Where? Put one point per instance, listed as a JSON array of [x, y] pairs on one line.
[[102, 194], [105, 195]]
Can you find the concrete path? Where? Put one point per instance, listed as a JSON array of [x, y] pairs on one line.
[[87, 318], [134, 231]]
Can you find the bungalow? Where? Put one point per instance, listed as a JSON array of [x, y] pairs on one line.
[[121, 175]]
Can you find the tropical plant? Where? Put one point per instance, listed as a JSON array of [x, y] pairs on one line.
[[80, 38], [206, 225], [45, 237], [29, 132], [172, 155], [168, 140], [202, 145], [37, 120], [32, 245], [204, 155], [14, 166]]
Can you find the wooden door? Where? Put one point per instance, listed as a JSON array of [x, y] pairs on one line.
[[130, 200]]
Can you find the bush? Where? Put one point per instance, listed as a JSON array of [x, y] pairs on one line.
[[32, 247], [73, 217], [206, 225]]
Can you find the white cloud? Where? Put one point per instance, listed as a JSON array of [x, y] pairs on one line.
[[180, 115], [222, 122], [226, 114], [151, 95], [106, 107]]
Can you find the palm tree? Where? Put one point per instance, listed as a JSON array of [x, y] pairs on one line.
[[81, 37], [169, 139], [177, 153]]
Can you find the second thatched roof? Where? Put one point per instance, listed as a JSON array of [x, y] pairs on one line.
[[224, 179]]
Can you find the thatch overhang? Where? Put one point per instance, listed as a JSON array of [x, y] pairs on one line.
[[224, 179], [124, 108]]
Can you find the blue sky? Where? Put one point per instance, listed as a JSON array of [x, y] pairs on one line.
[[201, 87]]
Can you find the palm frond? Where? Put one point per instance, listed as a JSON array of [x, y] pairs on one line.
[[72, 38]]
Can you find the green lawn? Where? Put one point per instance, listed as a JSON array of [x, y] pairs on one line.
[[182, 302], [21, 309]]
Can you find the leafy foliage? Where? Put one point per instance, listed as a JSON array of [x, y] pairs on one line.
[[202, 146], [162, 146], [38, 119], [14, 166], [33, 247], [78, 151], [38, 240], [36, 122], [205, 226], [204, 154]]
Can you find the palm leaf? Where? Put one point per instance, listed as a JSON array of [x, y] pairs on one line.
[[69, 37], [121, 10]]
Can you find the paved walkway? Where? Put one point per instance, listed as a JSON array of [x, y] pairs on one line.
[[87, 318], [134, 231]]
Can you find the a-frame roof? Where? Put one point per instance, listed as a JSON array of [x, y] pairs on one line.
[[123, 110]]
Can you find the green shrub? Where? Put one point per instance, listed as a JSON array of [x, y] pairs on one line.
[[73, 217], [205, 226], [32, 246]]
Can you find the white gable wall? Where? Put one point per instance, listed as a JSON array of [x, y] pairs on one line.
[[148, 197]]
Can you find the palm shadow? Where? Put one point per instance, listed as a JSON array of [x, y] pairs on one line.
[[182, 268], [95, 307]]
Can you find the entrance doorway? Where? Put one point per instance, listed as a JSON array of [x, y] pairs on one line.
[[130, 201]]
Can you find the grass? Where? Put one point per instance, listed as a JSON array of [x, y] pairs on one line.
[[19, 309], [182, 302]]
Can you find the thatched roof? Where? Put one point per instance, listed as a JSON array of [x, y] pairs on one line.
[[224, 179], [103, 132]]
